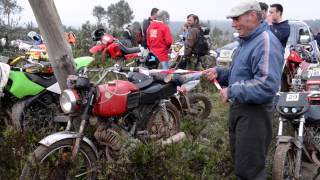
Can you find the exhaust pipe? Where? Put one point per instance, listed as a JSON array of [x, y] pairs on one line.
[[174, 139]]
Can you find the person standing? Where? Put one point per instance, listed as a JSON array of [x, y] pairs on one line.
[[192, 44], [251, 84], [264, 10], [317, 38], [159, 39], [145, 25], [279, 27]]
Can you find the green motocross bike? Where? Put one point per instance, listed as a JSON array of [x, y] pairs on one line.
[[31, 100]]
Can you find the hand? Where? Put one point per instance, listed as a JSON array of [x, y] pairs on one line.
[[224, 95], [269, 19], [211, 74]]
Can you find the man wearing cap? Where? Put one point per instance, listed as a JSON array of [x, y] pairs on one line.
[[250, 86]]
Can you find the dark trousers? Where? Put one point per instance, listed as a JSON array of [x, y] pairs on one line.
[[250, 130]]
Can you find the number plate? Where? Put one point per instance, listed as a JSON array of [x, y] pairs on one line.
[[292, 97]]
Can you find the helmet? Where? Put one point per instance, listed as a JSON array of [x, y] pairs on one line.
[[97, 34], [34, 36]]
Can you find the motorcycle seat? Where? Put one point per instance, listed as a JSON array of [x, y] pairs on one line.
[[156, 92], [127, 50], [139, 79], [41, 80]]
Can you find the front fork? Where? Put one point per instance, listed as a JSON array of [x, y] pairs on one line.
[[162, 104], [298, 142], [84, 119]]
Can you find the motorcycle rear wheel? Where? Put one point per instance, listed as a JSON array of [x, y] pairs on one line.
[[200, 105], [157, 126], [283, 163], [54, 162]]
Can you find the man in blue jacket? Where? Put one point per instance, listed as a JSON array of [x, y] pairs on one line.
[[251, 84]]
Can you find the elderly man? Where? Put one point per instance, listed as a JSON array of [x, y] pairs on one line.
[[251, 84]]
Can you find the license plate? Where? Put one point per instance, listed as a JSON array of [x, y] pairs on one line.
[[292, 97]]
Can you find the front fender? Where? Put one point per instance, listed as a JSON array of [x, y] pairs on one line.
[[53, 138]]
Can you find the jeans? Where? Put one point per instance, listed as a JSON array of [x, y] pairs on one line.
[[164, 64]]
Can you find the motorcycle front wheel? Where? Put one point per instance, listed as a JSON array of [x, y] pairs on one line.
[[54, 162], [200, 105], [283, 163]]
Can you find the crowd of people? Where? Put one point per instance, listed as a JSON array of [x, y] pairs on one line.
[[250, 84]]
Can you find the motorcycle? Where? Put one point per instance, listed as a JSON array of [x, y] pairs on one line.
[[177, 57], [121, 111], [301, 111], [198, 105], [298, 54], [111, 46], [30, 100]]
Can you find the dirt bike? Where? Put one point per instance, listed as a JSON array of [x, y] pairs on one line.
[[121, 111], [30, 100], [198, 105], [177, 57], [111, 46], [298, 54], [301, 111]]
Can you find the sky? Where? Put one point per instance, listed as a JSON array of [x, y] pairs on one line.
[[76, 12]]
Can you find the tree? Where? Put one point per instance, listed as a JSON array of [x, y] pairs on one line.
[[60, 54], [119, 14], [9, 7], [99, 12]]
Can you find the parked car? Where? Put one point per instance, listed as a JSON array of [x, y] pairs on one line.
[[298, 29]]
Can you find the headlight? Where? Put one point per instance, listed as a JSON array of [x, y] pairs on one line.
[[294, 110], [68, 101], [285, 110]]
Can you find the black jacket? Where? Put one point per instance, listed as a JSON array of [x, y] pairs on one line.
[[281, 31], [144, 27]]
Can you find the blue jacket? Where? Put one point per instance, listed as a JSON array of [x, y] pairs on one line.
[[255, 73]]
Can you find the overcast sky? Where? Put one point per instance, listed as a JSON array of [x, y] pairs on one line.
[[76, 12]]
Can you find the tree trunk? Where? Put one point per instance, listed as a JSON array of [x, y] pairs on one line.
[[60, 54]]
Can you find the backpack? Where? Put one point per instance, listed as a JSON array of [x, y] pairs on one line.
[[201, 47]]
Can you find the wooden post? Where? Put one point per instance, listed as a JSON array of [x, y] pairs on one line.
[[60, 53]]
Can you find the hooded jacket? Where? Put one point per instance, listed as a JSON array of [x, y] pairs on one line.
[[255, 73], [159, 40]]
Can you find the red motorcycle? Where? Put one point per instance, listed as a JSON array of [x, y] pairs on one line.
[[123, 112], [111, 46], [297, 56]]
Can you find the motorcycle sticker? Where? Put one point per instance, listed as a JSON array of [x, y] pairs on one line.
[[292, 97]]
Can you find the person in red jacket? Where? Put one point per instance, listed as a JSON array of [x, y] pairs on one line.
[[159, 38]]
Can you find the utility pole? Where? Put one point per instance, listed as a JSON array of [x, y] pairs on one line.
[[60, 54]]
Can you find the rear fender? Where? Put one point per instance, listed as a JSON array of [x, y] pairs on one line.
[[53, 138]]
